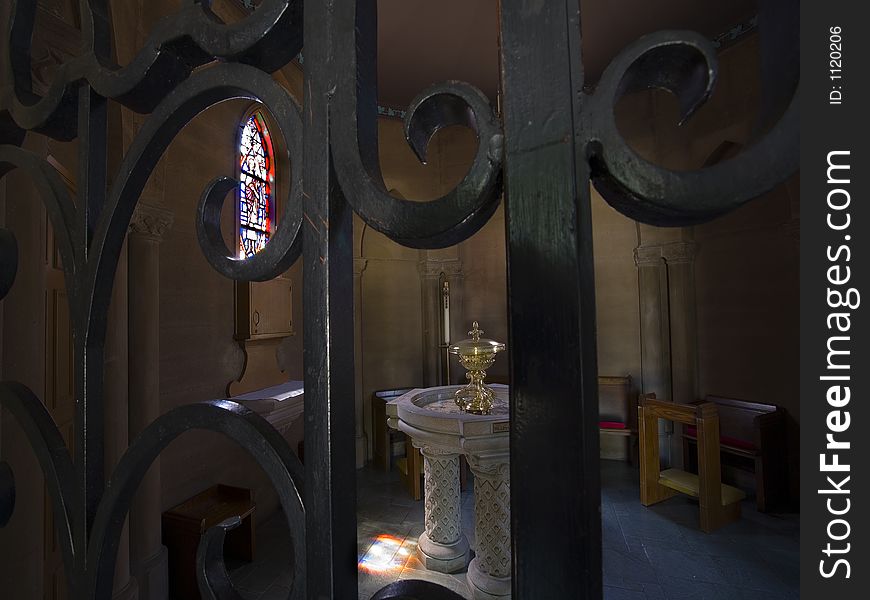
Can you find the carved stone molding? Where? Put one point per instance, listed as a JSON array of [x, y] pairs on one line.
[[150, 222], [432, 269]]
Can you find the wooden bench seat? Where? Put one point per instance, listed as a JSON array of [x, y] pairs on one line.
[[751, 438], [718, 504], [383, 436], [617, 424], [689, 484]]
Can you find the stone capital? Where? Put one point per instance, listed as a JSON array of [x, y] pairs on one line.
[[648, 256], [431, 269], [679, 252], [671, 253], [489, 467], [359, 265], [435, 452], [150, 222]]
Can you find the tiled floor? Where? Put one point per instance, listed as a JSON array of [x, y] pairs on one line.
[[655, 553]]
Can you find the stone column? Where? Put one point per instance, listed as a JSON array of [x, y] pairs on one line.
[[652, 278], [430, 297], [442, 547], [359, 265], [431, 271], [116, 414], [458, 324], [147, 227], [680, 260], [668, 328], [489, 574], [655, 344]]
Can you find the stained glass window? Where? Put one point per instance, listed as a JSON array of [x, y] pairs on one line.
[[257, 178]]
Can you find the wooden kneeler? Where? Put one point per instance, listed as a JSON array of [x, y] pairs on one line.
[[719, 503]]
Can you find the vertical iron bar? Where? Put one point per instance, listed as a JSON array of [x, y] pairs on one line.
[[330, 474], [555, 492], [89, 335], [89, 440]]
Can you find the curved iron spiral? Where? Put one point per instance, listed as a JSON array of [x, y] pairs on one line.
[[54, 460], [248, 430], [683, 63], [438, 223], [266, 39], [201, 91], [59, 207], [159, 79], [211, 571], [415, 589]]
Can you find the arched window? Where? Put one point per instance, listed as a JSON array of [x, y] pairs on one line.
[[257, 177]]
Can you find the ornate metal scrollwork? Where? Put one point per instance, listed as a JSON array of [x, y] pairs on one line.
[[267, 39], [58, 205], [248, 430], [354, 142], [192, 61], [685, 64], [415, 589], [90, 232], [53, 457]]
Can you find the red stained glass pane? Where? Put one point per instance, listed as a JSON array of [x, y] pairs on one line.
[[256, 176]]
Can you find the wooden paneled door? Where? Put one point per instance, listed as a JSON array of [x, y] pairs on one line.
[[59, 398]]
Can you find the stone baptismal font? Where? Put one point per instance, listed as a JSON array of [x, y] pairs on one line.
[[474, 420]]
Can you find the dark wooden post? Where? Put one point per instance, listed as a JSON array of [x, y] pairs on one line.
[[555, 504], [330, 473]]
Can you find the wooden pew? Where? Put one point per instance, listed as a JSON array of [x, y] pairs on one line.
[[617, 422], [719, 503], [185, 524], [752, 438]]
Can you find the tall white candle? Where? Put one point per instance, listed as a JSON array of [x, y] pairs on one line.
[[445, 303]]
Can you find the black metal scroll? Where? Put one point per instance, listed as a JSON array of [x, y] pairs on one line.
[[556, 137]]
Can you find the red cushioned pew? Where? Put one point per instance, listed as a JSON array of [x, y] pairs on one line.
[[752, 436], [617, 426]]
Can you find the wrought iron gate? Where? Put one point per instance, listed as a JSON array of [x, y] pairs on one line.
[[553, 137]]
